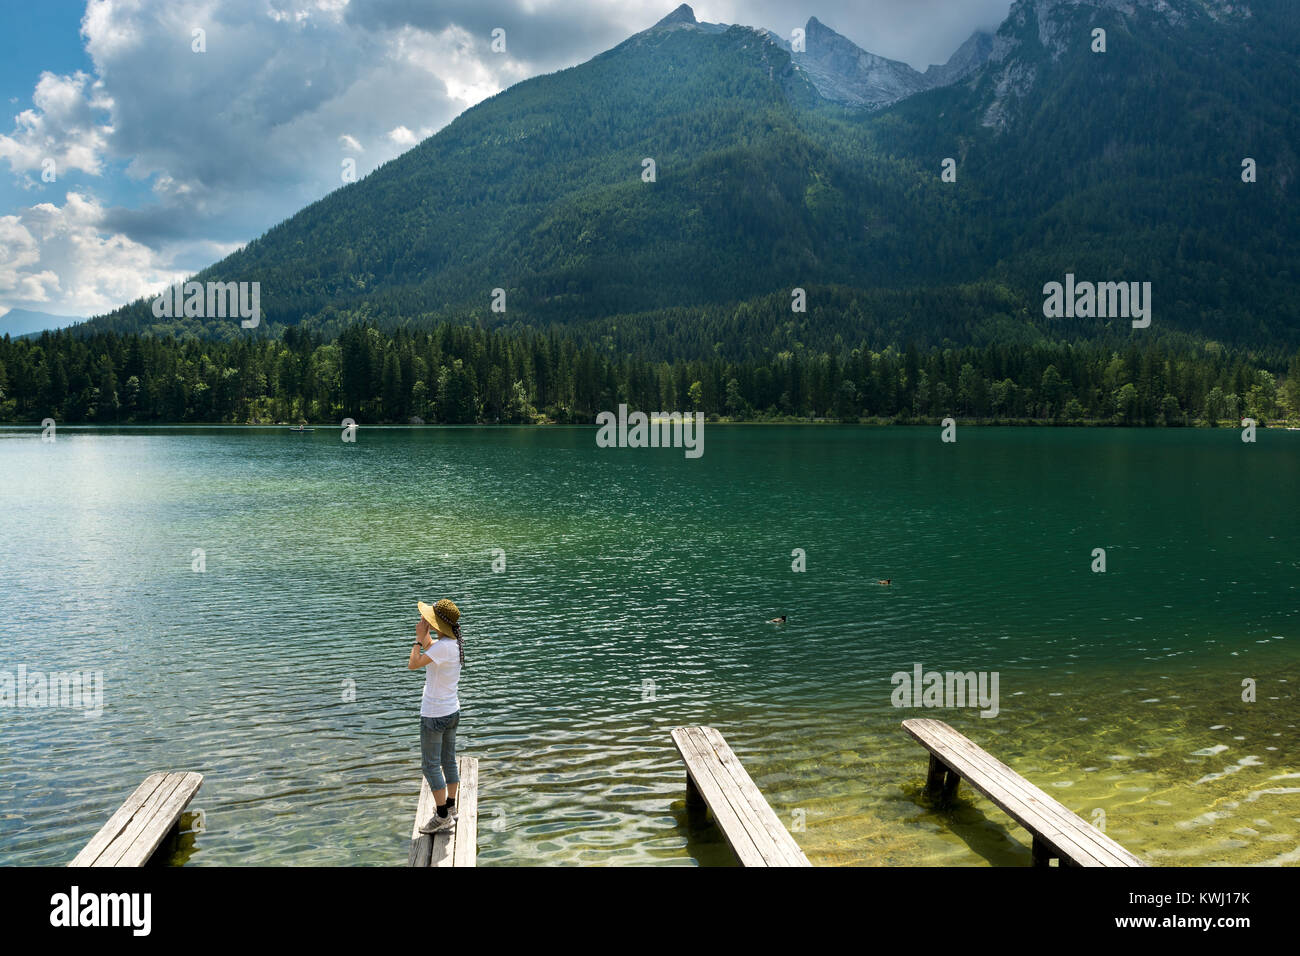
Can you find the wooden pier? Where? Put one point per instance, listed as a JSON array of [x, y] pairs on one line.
[[140, 825], [715, 777], [1057, 832], [459, 845]]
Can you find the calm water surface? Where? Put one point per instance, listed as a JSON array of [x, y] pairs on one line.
[[636, 587]]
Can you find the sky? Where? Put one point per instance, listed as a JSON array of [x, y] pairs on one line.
[[145, 139]]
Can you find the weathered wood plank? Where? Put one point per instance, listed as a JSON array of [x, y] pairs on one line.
[[1022, 801], [459, 846], [441, 852], [1057, 831], [141, 822], [140, 825], [749, 824], [783, 848], [1064, 832], [714, 789], [118, 821], [701, 768], [465, 852], [151, 836], [421, 843]]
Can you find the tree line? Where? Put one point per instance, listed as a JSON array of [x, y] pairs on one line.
[[464, 375]]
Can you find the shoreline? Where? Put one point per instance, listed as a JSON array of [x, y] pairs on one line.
[[1279, 424]]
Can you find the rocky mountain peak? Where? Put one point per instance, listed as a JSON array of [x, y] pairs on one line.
[[683, 14]]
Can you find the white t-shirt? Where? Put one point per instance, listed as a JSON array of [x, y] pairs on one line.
[[441, 676]]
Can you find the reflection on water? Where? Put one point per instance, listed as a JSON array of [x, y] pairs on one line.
[[633, 600]]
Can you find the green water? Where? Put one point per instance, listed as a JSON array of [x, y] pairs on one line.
[[636, 587]]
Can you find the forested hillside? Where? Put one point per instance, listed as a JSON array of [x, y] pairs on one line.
[[1123, 165]]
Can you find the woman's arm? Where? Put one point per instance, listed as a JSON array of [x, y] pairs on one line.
[[422, 642]]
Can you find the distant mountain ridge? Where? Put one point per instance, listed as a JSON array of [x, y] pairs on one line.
[[19, 322]]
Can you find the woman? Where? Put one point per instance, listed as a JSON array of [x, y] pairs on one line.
[[440, 707]]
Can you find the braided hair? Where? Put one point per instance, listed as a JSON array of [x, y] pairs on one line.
[[455, 626]]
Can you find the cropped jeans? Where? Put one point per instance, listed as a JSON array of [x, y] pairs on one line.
[[438, 750]]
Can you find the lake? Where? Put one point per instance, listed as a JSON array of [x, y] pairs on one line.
[[634, 595]]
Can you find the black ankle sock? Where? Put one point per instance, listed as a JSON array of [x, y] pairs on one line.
[[451, 802], [442, 810]]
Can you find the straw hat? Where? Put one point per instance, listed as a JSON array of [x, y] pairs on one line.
[[440, 616]]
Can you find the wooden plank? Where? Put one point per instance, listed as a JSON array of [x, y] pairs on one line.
[[1021, 800], [747, 821], [155, 831], [421, 843], [1064, 832], [734, 790], [1060, 831], [1027, 804], [466, 852], [765, 828], [440, 854], [141, 824], [1032, 807], [737, 801], [700, 767], [715, 794], [783, 847], [118, 821], [455, 847]]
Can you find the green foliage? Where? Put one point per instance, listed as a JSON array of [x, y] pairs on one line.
[[457, 375]]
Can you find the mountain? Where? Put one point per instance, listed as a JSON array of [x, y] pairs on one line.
[[18, 322], [970, 56], [844, 73], [778, 169]]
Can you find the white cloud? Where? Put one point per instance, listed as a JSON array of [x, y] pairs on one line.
[[229, 141], [57, 258], [65, 126], [19, 254]]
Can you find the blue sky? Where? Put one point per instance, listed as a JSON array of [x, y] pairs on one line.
[[46, 37], [166, 158]]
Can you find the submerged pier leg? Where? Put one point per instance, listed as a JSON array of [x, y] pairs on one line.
[[1042, 852], [934, 780], [693, 796], [950, 785]]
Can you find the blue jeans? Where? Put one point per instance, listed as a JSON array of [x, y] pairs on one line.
[[438, 750]]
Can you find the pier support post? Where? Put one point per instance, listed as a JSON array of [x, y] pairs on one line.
[[934, 779], [693, 796], [950, 785], [941, 782], [1042, 853]]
